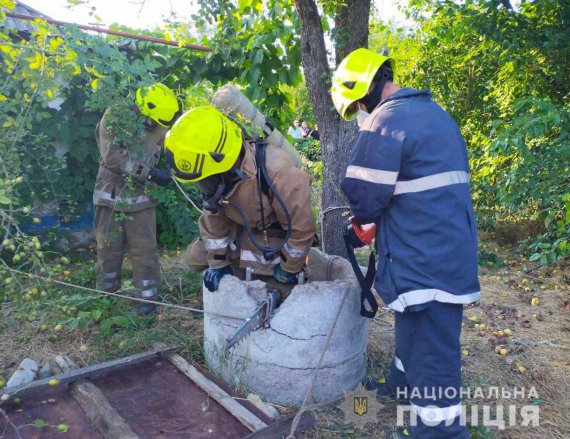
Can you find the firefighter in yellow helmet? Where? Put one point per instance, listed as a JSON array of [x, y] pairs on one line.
[[257, 205], [408, 173], [124, 212]]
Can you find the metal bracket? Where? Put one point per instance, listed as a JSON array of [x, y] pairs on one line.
[[259, 319]]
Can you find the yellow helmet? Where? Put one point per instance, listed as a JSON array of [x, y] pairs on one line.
[[158, 102], [201, 143], [353, 78]]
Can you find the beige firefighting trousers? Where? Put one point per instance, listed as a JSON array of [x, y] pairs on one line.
[[137, 232]]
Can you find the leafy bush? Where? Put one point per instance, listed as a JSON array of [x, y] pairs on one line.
[[500, 73], [176, 218], [527, 174], [311, 148]]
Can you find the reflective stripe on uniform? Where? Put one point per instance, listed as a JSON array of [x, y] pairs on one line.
[[433, 414], [431, 182], [248, 255], [145, 282], [149, 293], [371, 175], [109, 274], [216, 244], [297, 252], [398, 363], [99, 194], [417, 297]]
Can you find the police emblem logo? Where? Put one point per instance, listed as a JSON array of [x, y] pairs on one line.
[[360, 406]]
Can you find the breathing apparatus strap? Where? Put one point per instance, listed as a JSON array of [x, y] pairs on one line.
[[366, 296], [260, 156]]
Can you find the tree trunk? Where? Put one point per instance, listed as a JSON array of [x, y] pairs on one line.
[[337, 136]]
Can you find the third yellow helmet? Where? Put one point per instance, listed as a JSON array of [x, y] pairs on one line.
[[158, 102], [201, 143], [353, 78]]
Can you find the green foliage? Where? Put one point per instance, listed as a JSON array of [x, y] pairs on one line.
[[500, 73], [300, 103], [257, 43], [528, 172], [310, 147], [177, 219], [489, 259]]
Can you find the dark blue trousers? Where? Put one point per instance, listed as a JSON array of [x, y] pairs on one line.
[[428, 363]]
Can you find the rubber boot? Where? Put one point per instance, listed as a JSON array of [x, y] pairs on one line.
[[147, 309]]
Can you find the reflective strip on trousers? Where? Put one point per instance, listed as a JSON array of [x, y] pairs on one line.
[[371, 175], [296, 252], [216, 244], [398, 363], [98, 194], [149, 293], [418, 297], [435, 415], [248, 255], [144, 283], [108, 275], [431, 182]]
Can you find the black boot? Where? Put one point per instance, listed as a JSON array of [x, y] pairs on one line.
[[386, 391], [146, 309]]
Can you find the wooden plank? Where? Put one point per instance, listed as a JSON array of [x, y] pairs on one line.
[[112, 32], [237, 410], [85, 372], [280, 429], [96, 406]]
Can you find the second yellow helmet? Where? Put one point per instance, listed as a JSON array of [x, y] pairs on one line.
[[158, 102], [201, 143], [353, 78]]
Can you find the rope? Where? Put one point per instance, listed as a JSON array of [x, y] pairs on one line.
[[309, 394], [185, 195], [120, 296], [322, 220]]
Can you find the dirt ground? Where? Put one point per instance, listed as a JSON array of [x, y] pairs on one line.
[[527, 314]]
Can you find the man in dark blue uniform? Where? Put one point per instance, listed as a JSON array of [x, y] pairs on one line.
[[409, 174]]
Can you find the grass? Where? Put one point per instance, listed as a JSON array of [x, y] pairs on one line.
[[30, 319]]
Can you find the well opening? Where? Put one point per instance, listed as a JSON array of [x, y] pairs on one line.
[[278, 361]]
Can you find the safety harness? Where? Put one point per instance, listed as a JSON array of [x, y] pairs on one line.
[[365, 282]]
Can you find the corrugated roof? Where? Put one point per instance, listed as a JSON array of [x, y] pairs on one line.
[[22, 25]]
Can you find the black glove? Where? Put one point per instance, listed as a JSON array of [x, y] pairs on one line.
[[159, 176], [213, 276], [284, 276], [353, 238]]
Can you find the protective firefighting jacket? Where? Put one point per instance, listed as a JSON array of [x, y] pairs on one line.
[[223, 232], [117, 162], [409, 174]]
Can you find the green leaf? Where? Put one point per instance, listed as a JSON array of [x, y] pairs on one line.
[[40, 423], [96, 314], [120, 321], [106, 325]]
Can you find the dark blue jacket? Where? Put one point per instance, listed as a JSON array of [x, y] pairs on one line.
[[409, 174]]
